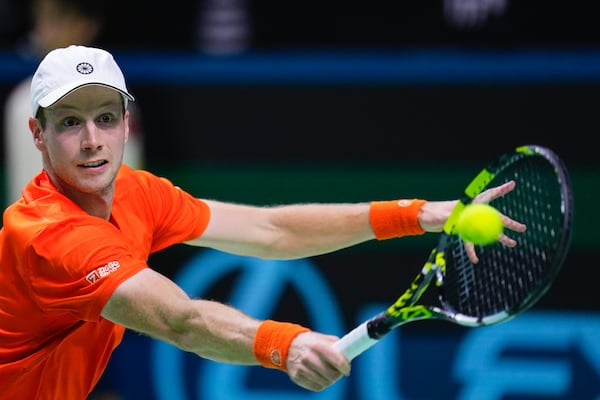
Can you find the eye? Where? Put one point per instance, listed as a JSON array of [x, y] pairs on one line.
[[70, 122], [106, 118]]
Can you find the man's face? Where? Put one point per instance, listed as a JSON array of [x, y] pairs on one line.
[[83, 142]]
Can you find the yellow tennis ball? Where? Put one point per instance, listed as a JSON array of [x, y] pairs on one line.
[[480, 224]]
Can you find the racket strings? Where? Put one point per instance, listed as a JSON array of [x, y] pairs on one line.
[[507, 280]]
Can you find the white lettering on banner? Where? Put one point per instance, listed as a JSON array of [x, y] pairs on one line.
[[487, 373], [532, 355]]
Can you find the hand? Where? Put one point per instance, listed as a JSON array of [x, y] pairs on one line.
[[313, 363], [509, 223]]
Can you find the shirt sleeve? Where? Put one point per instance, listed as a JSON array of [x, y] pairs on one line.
[[74, 266], [177, 215]]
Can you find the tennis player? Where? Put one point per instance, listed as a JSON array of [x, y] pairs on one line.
[[74, 249]]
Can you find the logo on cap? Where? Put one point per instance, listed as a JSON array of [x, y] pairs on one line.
[[85, 68]]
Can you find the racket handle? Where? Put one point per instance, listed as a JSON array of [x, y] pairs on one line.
[[355, 342]]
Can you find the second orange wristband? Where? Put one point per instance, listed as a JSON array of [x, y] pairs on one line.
[[395, 218], [272, 342]]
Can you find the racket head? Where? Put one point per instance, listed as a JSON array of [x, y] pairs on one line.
[[508, 281]]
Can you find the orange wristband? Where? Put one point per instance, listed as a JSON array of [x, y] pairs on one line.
[[396, 218], [272, 342]]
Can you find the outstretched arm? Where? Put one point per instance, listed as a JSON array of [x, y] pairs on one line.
[[285, 232], [151, 304], [304, 230]]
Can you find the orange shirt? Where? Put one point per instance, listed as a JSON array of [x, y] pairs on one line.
[[58, 267]]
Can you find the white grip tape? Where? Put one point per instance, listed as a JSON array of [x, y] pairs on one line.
[[355, 342]]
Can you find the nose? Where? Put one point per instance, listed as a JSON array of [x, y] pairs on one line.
[[91, 137]]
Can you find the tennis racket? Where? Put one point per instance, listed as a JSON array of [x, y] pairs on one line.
[[507, 280]]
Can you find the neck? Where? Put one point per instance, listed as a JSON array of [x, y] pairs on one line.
[[98, 203]]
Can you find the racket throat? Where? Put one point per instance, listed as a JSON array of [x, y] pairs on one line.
[[380, 325]]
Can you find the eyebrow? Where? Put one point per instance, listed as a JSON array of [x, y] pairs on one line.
[[68, 107]]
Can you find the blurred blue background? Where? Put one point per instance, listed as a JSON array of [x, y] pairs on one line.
[[273, 102]]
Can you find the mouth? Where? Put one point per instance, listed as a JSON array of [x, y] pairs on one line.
[[94, 164]]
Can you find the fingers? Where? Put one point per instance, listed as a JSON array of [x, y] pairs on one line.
[[313, 362], [471, 253], [493, 193], [316, 377], [508, 223], [513, 225]]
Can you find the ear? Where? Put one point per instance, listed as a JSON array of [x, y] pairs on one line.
[[126, 117], [36, 131]]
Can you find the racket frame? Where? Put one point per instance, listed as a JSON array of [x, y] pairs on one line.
[[404, 309]]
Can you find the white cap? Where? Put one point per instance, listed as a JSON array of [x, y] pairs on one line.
[[66, 69]]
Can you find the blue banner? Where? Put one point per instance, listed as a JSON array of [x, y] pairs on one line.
[[541, 354]]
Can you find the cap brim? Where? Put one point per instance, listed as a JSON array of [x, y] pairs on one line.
[[57, 94]]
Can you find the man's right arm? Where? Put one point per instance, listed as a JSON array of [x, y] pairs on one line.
[[152, 304]]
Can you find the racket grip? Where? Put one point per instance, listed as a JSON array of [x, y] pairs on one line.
[[355, 342]]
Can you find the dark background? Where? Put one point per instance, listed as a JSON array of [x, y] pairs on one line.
[[344, 24], [351, 101], [354, 101]]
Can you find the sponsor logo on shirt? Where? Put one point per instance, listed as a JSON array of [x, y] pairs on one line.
[[102, 271]]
